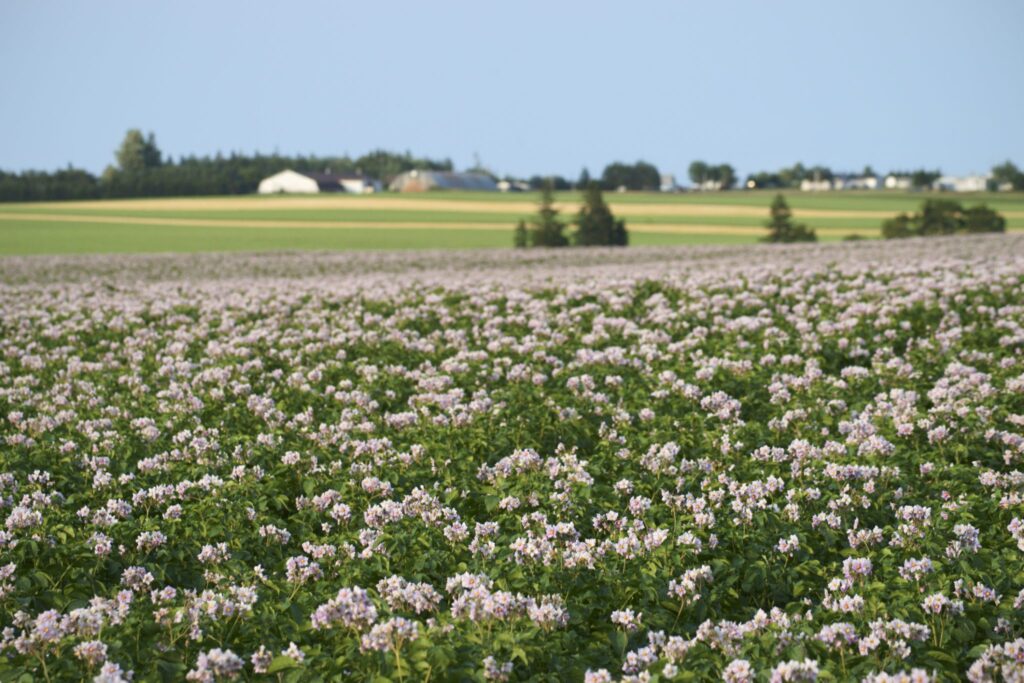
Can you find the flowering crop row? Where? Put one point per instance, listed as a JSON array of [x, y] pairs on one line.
[[713, 464]]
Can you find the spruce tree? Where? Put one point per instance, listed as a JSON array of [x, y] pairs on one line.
[[547, 229], [595, 223], [583, 180], [521, 235], [781, 226]]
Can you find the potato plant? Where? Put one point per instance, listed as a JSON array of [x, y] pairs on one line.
[[738, 464]]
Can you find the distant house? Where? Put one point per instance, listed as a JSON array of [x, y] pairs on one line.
[[668, 183], [424, 181], [512, 186], [708, 185], [855, 182], [815, 185], [971, 183], [307, 182], [839, 182], [898, 182]]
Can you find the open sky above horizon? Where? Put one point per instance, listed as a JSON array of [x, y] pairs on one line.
[[530, 87]]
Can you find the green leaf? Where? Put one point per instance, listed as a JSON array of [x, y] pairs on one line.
[[281, 663]]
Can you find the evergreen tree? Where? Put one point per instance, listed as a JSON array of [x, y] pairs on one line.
[[983, 219], [899, 227], [595, 223], [944, 217], [620, 236], [584, 179], [521, 236], [781, 226], [546, 228], [939, 217]]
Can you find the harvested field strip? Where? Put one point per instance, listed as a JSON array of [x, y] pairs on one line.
[[235, 223], [218, 204]]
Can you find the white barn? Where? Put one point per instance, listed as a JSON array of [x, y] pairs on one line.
[[306, 182], [971, 183], [897, 182]]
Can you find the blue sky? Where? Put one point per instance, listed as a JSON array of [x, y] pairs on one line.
[[531, 87]]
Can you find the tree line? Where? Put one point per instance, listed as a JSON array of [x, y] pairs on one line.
[[1005, 174], [141, 170]]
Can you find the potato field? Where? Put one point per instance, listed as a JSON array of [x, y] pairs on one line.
[[724, 463]]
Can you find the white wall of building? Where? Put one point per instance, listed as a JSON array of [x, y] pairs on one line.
[[361, 185], [971, 183], [808, 185], [894, 182], [288, 181]]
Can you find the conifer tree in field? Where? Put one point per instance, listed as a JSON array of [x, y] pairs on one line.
[[595, 223], [522, 235], [583, 180], [782, 228], [944, 217], [546, 228]]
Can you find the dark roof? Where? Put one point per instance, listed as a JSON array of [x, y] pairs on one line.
[[447, 180]]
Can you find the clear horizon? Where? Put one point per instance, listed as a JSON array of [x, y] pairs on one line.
[[528, 88]]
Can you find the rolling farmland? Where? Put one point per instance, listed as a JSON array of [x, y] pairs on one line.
[[437, 220]]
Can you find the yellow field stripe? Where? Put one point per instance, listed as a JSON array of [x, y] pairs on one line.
[[373, 203], [242, 223]]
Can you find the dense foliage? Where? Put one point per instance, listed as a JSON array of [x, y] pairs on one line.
[[782, 227], [638, 176], [596, 225], [712, 176], [1007, 173], [783, 464], [143, 171], [939, 217], [546, 228]]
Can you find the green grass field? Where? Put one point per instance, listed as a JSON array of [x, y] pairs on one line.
[[442, 220]]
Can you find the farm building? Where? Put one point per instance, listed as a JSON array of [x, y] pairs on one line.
[[898, 182], [423, 181], [306, 182], [815, 185], [855, 182], [513, 186], [840, 182], [971, 183]]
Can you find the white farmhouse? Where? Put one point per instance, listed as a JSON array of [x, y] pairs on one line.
[[897, 182], [971, 183], [815, 185], [855, 182], [307, 182]]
